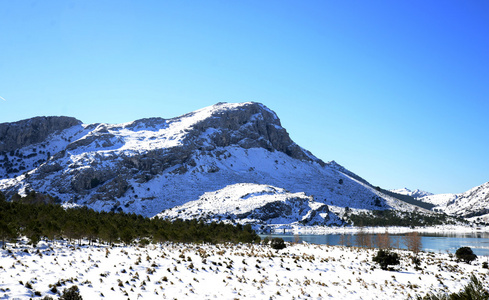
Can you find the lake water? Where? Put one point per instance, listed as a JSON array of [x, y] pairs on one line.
[[439, 242]]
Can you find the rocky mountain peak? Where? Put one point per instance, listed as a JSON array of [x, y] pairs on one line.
[[247, 125], [30, 131]]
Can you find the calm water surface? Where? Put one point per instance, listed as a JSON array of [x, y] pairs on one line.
[[440, 242]]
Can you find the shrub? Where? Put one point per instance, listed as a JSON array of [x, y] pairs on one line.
[[73, 293], [277, 243], [144, 242], [53, 289], [466, 254], [386, 258], [473, 290], [416, 261], [266, 240], [485, 265]]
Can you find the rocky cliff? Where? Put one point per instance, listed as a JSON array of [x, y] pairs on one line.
[[23, 133]]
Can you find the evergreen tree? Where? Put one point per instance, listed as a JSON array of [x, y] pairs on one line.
[[466, 254], [386, 258], [39, 219]]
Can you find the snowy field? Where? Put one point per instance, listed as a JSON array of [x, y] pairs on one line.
[[195, 271]]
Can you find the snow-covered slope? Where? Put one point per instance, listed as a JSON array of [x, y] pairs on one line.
[[415, 194], [225, 271], [474, 202], [257, 204], [150, 165], [440, 200]]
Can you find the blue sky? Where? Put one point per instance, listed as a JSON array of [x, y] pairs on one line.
[[396, 91]]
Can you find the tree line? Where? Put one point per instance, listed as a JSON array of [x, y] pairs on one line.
[[37, 217], [399, 218]]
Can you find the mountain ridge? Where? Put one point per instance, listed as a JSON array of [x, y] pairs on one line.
[[153, 164], [472, 203], [417, 193]]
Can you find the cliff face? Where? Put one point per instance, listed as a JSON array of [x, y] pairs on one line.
[[248, 126], [23, 133], [153, 164]]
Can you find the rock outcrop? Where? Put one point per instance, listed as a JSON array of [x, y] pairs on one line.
[[248, 126], [23, 133]]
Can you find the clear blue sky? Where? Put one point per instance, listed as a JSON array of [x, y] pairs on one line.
[[396, 91]]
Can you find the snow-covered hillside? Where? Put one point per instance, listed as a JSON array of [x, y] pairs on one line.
[[257, 204], [440, 200], [150, 165], [227, 271], [474, 202], [415, 194]]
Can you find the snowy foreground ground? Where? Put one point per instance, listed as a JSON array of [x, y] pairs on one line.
[[192, 271]]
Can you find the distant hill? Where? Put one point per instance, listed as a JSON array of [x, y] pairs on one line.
[[408, 199], [473, 203], [415, 194]]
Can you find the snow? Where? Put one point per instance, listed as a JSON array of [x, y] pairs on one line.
[[201, 271], [440, 199], [474, 201], [415, 194], [127, 138], [247, 202], [227, 166], [34, 155]]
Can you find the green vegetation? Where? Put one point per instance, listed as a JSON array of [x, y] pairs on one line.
[[73, 293], [277, 243], [385, 258], [398, 218], [466, 254], [40, 220]]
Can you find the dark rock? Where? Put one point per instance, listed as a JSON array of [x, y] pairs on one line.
[[35, 130]]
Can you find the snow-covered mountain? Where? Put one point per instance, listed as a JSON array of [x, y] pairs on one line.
[[474, 202], [150, 165], [415, 194]]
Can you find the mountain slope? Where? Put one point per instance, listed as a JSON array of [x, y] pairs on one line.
[[474, 202], [150, 165], [255, 204]]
